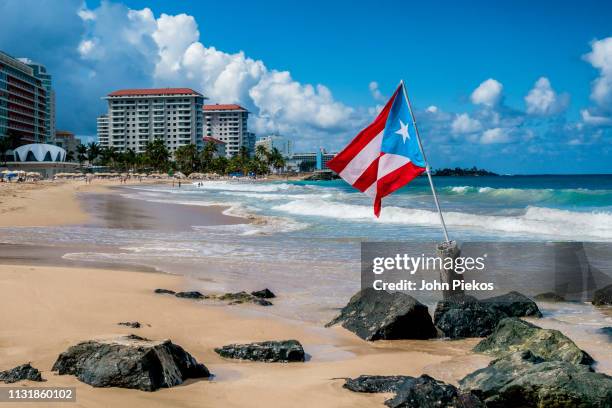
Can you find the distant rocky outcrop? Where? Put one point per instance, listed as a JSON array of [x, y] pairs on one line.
[[194, 294], [380, 315], [285, 351], [525, 380], [19, 373], [462, 315], [133, 325], [264, 294], [242, 297], [603, 296], [459, 172], [129, 362], [549, 297], [411, 392], [165, 291], [513, 334]]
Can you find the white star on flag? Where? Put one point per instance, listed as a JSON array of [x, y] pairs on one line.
[[403, 131]]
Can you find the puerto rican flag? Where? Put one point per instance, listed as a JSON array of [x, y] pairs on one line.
[[386, 155]]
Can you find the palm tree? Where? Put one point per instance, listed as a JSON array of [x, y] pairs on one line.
[[207, 155], [81, 153], [276, 159], [186, 158], [70, 156], [93, 151], [157, 155], [108, 156]]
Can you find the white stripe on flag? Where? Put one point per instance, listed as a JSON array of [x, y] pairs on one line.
[[362, 160], [390, 162], [371, 191]]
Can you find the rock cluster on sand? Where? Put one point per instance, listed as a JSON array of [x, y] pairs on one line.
[[129, 362], [410, 392], [242, 297], [257, 298], [133, 325], [375, 383], [268, 351], [465, 316], [603, 296], [525, 380], [513, 334], [165, 291], [194, 294], [22, 372], [264, 294], [380, 315]]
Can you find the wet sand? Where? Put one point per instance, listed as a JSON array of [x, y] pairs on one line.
[[114, 210]]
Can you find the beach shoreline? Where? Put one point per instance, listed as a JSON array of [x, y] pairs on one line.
[[56, 302]]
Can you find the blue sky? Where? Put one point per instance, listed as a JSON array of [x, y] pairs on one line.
[[306, 69]]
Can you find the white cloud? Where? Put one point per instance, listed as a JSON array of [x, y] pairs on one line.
[[171, 44], [432, 109], [488, 93], [495, 135], [86, 47], [464, 124], [543, 100], [600, 57], [375, 91], [593, 119]]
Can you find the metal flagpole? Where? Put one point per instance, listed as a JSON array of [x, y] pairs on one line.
[[433, 189]]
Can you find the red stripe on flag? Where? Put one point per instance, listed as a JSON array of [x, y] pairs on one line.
[[394, 181], [368, 177], [364, 137]]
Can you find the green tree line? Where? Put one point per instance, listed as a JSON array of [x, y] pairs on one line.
[[187, 159]]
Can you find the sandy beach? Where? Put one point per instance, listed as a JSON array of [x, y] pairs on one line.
[[53, 307]]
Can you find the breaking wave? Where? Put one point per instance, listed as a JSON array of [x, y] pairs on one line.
[[535, 220]]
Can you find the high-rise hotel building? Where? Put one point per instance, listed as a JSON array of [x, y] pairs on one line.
[[40, 72], [23, 102], [228, 123], [138, 116]]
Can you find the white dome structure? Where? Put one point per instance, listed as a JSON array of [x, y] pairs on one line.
[[39, 152]]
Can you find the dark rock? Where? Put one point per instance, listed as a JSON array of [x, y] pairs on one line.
[[376, 383], [268, 351], [129, 362], [380, 315], [194, 294], [549, 297], [133, 325], [513, 334], [514, 304], [465, 316], [427, 392], [22, 372], [525, 380], [243, 297], [606, 331], [603, 296], [166, 291], [264, 294]]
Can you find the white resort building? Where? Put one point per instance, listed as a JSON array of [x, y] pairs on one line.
[[138, 116], [228, 123]]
